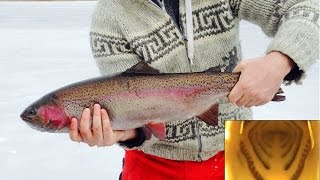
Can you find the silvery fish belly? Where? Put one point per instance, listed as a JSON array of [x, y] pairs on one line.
[[136, 99]]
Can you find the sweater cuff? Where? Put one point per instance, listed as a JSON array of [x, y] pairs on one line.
[[299, 40], [137, 141]]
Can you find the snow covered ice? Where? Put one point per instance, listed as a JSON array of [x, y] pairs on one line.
[[45, 45]]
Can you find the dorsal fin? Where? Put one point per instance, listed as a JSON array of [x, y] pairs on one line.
[[213, 69], [142, 68]]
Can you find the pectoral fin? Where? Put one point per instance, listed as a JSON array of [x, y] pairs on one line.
[[211, 115], [157, 129]]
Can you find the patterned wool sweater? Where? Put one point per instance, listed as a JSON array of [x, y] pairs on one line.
[[125, 32]]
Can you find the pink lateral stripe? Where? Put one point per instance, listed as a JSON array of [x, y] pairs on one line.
[[165, 92]]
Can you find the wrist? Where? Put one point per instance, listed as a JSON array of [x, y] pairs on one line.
[[134, 138], [128, 135], [284, 63]]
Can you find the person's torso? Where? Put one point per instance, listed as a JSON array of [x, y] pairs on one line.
[[148, 31]]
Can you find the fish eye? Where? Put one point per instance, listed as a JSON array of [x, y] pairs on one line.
[[32, 112]]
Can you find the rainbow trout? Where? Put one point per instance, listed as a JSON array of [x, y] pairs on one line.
[[136, 99]]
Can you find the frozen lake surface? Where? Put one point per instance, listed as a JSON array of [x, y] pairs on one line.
[[45, 45]]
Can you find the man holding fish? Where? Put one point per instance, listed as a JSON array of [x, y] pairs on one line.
[[153, 37], [183, 36]]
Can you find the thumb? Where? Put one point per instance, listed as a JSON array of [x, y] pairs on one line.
[[238, 68]]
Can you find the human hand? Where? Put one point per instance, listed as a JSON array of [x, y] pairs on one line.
[[260, 79], [98, 130]]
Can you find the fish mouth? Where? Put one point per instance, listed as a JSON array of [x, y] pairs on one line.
[[49, 127], [26, 119]]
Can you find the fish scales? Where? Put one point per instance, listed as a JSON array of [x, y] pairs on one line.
[[146, 98]]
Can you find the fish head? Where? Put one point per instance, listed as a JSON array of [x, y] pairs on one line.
[[46, 115]]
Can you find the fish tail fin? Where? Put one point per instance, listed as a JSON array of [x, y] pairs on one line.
[[278, 97]]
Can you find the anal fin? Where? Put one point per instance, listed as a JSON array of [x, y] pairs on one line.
[[211, 115]]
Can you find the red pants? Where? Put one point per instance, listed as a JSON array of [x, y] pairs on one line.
[[141, 166]]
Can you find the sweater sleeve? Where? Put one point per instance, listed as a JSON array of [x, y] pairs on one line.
[[293, 24], [110, 48]]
